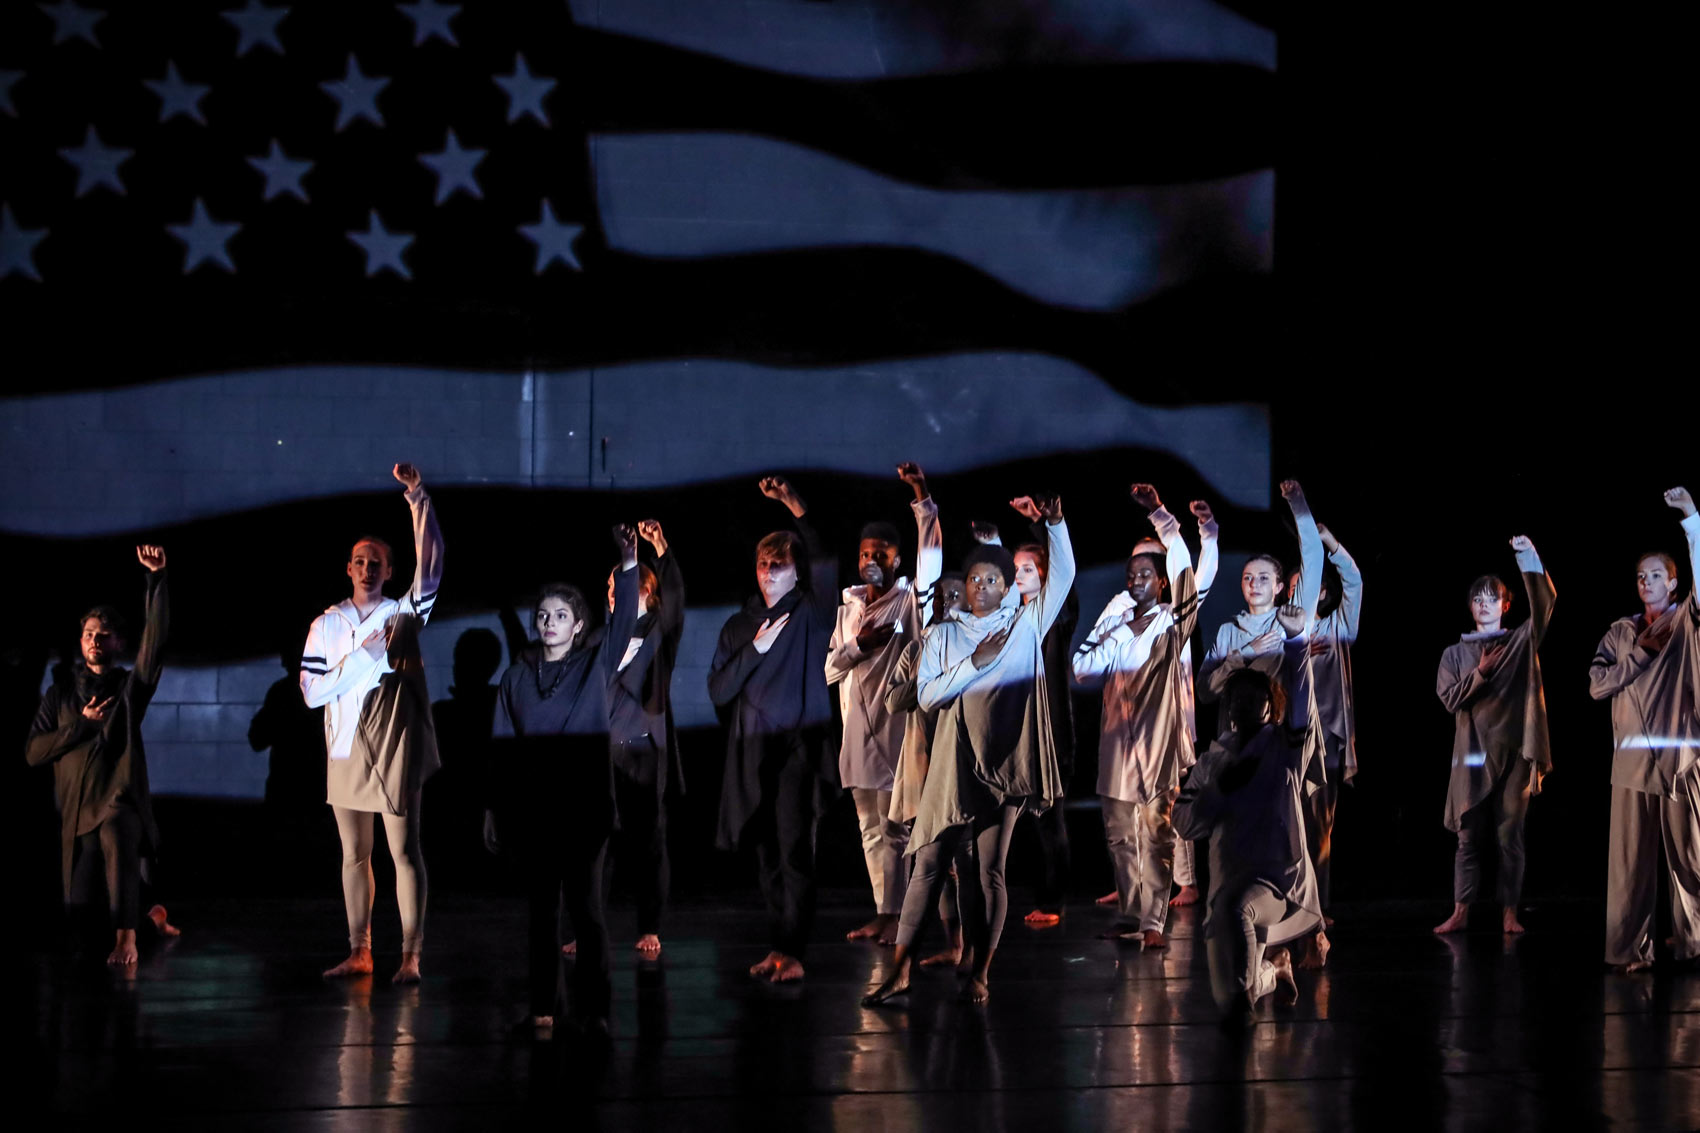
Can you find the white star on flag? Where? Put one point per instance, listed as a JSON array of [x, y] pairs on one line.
[[96, 164], [256, 26], [525, 91], [176, 96], [72, 22], [383, 248], [204, 239], [554, 240], [431, 19], [17, 246], [356, 95], [454, 167], [282, 173]]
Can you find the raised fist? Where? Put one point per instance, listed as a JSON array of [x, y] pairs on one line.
[[983, 532], [1028, 509], [1202, 510], [1292, 619], [151, 556], [1679, 499], [1522, 543], [650, 529], [407, 474], [1145, 496]]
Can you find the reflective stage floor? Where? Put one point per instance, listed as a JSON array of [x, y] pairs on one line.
[[231, 1027]]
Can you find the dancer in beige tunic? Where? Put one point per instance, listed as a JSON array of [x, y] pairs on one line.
[[361, 664], [1649, 667]]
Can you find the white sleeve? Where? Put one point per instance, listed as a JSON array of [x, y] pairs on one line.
[[427, 553], [322, 682]]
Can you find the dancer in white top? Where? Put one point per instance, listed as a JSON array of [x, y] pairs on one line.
[[381, 747]]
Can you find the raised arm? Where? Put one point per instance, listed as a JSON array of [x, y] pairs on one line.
[[1209, 552], [1538, 584], [1681, 500], [929, 539], [622, 620], [1351, 583], [150, 654], [823, 567], [669, 580], [1310, 549], [427, 544], [1059, 572], [1295, 666]]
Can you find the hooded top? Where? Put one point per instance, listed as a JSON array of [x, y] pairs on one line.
[[98, 768], [873, 734], [1246, 796], [337, 673], [1655, 697], [1501, 716], [993, 741]]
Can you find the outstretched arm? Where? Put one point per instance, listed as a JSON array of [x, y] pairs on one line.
[[1351, 583], [150, 654], [427, 544], [1209, 554], [1681, 500], [1538, 585], [1059, 573], [669, 580], [1295, 665], [1310, 549], [622, 620], [929, 539]]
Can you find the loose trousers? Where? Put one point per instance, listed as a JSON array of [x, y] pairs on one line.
[[1142, 854], [1642, 824]]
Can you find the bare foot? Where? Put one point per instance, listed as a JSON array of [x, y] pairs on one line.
[[408, 973], [1187, 896], [977, 991], [897, 985], [1634, 966], [570, 948], [124, 949], [876, 929], [1316, 953], [1509, 922], [1286, 987], [789, 969], [940, 959], [1153, 941], [1457, 922], [1110, 898], [160, 924], [359, 963], [649, 945], [1039, 918], [765, 967]]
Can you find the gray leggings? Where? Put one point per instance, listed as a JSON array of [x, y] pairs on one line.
[[1239, 975], [358, 831], [984, 906]]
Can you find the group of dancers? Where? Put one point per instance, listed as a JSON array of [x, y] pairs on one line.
[[954, 715]]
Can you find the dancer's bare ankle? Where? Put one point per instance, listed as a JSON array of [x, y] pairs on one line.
[[408, 973], [359, 963]]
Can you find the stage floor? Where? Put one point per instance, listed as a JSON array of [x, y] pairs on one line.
[[231, 1027]]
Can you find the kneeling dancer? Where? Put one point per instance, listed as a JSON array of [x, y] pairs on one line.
[[1245, 795]]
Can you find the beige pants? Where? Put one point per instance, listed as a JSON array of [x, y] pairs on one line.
[[357, 830], [1142, 853], [883, 843], [1186, 873], [1640, 824]]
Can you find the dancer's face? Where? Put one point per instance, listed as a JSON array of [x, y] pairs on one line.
[[99, 644], [369, 567], [1144, 580], [1028, 577], [775, 577], [1260, 584], [1653, 581], [1488, 609], [877, 562], [948, 596], [556, 625], [986, 588]]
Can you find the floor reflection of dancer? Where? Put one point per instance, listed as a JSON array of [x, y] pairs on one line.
[[1254, 640], [1140, 647], [642, 742], [943, 601], [993, 751], [1245, 796], [91, 732], [769, 670], [551, 787], [378, 754], [1491, 683], [1649, 665], [875, 622]]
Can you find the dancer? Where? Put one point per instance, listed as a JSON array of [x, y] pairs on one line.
[[381, 748], [1648, 666], [554, 713], [642, 741], [1254, 640], [874, 623], [1142, 645], [1245, 796], [1339, 606], [994, 752], [1055, 856], [90, 730], [1491, 683], [941, 602], [769, 669]]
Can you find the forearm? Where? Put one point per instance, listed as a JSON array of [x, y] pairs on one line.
[[1310, 562], [1295, 675], [1059, 575], [929, 544], [150, 655], [56, 732], [428, 553], [728, 674], [1608, 675], [320, 686], [1351, 589]]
